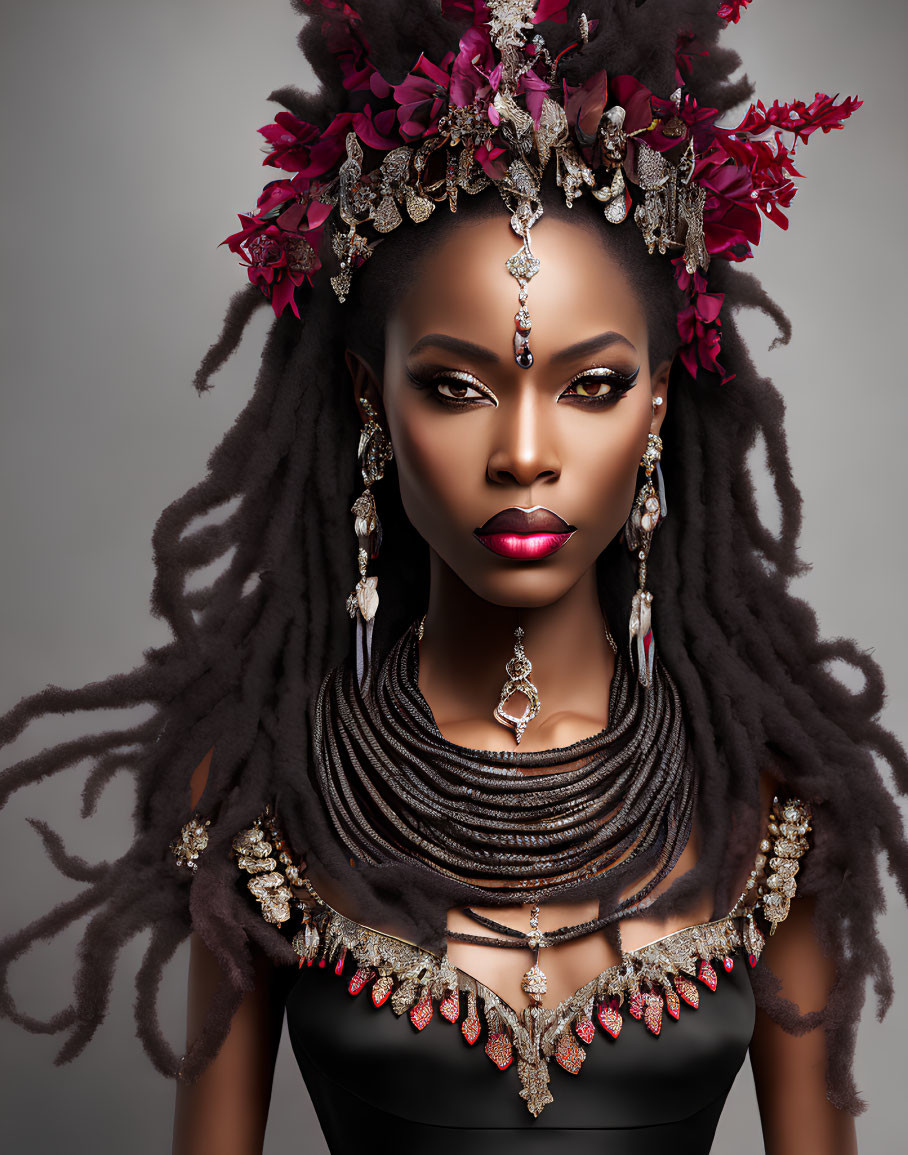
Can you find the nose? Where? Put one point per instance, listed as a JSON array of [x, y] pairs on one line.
[[524, 451]]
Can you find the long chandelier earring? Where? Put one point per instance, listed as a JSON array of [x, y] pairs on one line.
[[518, 681], [646, 513], [374, 453]]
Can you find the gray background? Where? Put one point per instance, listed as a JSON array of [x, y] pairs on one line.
[[128, 145]]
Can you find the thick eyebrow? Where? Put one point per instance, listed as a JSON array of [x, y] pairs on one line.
[[456, 345], [591, 345], [481, 353]]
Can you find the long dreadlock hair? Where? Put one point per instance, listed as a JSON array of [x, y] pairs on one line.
[[249, 650]]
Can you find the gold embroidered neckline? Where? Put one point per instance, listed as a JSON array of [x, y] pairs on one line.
[[648, 980], [468, 979]]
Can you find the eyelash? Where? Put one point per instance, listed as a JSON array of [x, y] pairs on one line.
[[618, 384], [433, 381]]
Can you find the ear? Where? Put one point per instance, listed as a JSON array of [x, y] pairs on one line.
[[659, 380], [365, 386]]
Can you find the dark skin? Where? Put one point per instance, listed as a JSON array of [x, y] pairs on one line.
[[542, 436], [566, 434]]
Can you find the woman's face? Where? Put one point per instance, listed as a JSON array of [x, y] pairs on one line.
[[553, 449]]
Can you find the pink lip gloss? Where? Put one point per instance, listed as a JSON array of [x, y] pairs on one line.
[[524, 546]]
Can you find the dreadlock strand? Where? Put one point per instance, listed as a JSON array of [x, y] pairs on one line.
[[242, 305]]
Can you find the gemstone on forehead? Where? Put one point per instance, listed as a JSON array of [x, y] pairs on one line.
[[524, 266]]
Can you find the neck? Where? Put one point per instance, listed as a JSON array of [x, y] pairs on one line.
[[467, 642]]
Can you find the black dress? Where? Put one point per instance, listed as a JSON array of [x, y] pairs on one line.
[[377, 1084]]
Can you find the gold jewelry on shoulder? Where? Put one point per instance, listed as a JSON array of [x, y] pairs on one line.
[[262, 852], [190, 842]]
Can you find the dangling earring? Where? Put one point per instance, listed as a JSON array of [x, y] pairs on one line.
[[646, 513], [374, 453], [518, 670]]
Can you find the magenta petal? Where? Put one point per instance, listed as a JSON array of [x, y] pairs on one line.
[[358, 80], [432, 71], [709, 305], [385, 121], [273, 194], [687, 324], [462, 92], [282, 296], [551, 10], [317, 214], [368, 131], [534, 98], [379, 86], [469, 68], [488, 159], [290, 218]]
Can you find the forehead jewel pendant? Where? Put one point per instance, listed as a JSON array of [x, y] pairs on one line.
[[523, 266]]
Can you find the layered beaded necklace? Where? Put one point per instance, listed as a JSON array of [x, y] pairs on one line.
[[398, 792]]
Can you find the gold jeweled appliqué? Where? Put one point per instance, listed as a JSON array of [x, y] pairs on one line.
[[646, 983], [190, 842]]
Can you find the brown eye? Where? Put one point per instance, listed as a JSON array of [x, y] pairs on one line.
[[592, 387], [456, 385], [457, 390], [600, 384]]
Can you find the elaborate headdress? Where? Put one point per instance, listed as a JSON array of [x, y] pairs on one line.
[[497, 112]]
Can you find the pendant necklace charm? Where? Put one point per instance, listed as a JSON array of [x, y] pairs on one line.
[[518, 670], [534, 982]]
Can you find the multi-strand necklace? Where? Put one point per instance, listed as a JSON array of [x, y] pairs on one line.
[[398, 792]]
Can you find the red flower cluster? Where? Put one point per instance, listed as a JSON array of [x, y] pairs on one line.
[[746, 171]]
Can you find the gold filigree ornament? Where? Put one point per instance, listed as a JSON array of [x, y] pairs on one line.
[[190, 842], [649, 982]]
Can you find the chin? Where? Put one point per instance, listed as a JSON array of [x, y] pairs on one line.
[[531, 587]]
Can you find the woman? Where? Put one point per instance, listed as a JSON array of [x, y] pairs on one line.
[[478, 433]]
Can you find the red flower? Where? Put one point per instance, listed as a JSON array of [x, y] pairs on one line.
[[472, 65], [340, 29], [700, 122], [731, 220], [280, 254], [797, 117], [298, 146], [730, 12], [274, 194], [771, 168], [422, 96], [700, 330]]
